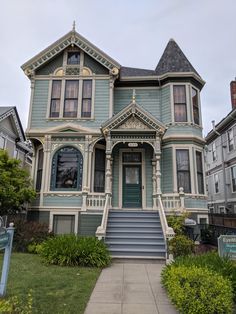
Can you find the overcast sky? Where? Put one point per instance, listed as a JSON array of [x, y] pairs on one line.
[[133, 32]]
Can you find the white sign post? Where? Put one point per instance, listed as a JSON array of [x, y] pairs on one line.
[[6, 239]]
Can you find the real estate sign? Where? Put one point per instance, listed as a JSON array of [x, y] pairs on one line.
[[227, 246]]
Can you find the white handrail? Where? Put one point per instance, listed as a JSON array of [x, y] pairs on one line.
[[167, 231], [101, 230]]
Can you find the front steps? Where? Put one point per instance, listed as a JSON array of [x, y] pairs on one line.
[[135, 234]]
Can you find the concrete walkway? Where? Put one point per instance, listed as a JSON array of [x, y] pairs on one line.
[[130, 289]]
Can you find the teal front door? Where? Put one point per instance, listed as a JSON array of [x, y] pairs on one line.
[[132, 186]]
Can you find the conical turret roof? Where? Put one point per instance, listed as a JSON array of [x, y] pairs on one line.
[[174, 60]]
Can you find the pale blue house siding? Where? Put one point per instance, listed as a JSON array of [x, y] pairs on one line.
[[88, 224], [167, 170], [40, 103], [188, 130], [122, 98], [148, 169], [165, 105], [195, 203], [58, 201]]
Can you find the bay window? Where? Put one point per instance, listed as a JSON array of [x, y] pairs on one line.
[[86, 99], [71, 99], [180, 105], [200, 182], [55, 99], [183, 170], [195, 106]]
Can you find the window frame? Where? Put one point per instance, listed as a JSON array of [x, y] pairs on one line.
[[3, 141], [230, 146], [55, 98], [74, 99], [195, 106], [63, 80], [70, 213], [200, 172], [39, 171], [216, 183], [183, 171], [214, 155], [54, 170], [231, 177], [175, 104]]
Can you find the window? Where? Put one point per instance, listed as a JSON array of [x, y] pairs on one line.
[[86, 99], [200, 182], [76, 101], [63, 224], [180, 107], [230, 140], [214, 151], [183, 170], [216, 181], [71, 99], [233, 176], [67, 169], [55, 99], [39, 170], [195, 106], [2, 142], [73, 57], [99, 171]]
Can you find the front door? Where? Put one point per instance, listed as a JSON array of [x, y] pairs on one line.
[[132, 186]]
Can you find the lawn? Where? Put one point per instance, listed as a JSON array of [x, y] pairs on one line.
[[55, 289]]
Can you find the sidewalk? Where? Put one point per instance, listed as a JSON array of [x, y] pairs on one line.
[[130, 289]]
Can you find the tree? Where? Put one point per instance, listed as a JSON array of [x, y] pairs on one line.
[[15, 185]]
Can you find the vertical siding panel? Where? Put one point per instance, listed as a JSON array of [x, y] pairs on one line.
[[167, 170]]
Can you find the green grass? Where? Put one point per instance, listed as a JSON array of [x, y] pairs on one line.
[[55, 289]]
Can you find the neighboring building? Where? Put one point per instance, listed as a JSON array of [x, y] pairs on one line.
[[221, 167], [12, 137], [108, 136]]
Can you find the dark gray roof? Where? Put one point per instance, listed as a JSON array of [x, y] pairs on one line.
[[126, 71], [5, 109], [174, 60]]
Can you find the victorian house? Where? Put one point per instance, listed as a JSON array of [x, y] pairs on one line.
[[116, 148]]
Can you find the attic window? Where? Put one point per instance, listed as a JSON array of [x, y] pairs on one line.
[[73, 57]]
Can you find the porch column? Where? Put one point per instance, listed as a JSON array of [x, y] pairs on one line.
[[108, 173], [158, 175], [46, 172], [154, 182], [85, 175]]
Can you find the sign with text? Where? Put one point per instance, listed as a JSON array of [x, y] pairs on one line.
[[227, 246]]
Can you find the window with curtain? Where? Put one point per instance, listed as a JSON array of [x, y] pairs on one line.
[[99, 170], [86, 99], [71, 99], [230, 140], [233, 177], [216, 182], [200, 181], [195, 106], [39, 170], [183, 170], [67, 169], [214, 151], [180, 105], [55, 99], [63, 224]]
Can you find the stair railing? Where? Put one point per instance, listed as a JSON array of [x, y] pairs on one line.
[[168, 231], [101, 230]]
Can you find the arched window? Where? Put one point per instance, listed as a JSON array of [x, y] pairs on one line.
[[67, 169]]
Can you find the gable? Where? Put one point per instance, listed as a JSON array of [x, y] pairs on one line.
[[51, 66], [133, 117], [10, 121], [71, 39], [9, 127]]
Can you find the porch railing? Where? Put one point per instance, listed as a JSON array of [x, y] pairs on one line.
[[172, 202], [101, 230], [167, 231], [95, 201]]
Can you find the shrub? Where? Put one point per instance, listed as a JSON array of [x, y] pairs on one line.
[[27, 232], [71, 250], [177, 223], [197, 290], [14, 305], [181, 245], [212, 261]]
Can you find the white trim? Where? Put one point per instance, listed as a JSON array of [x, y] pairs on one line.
[[66, 213]]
